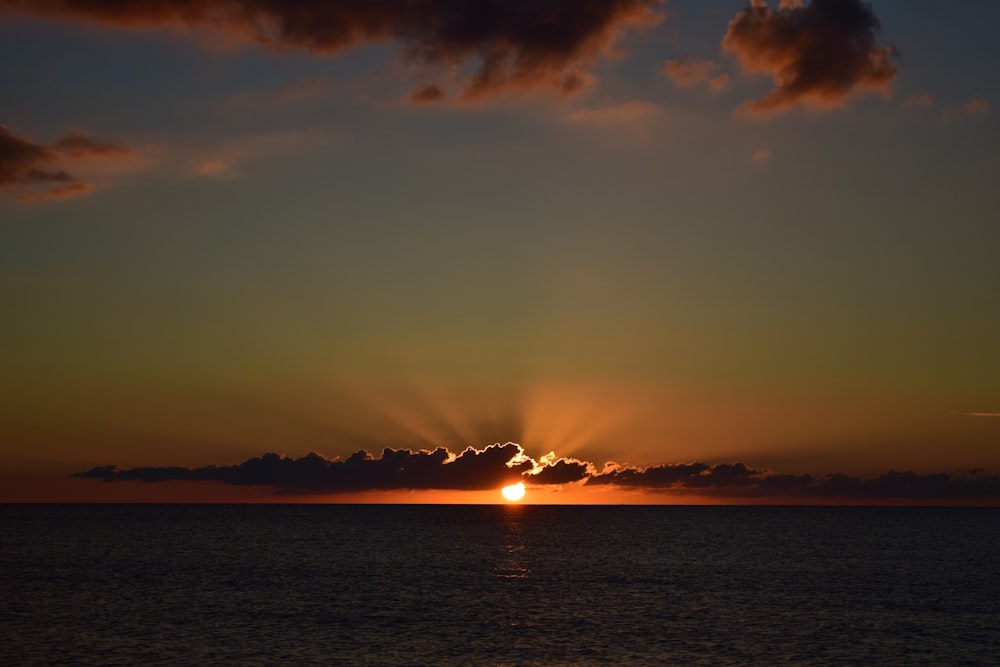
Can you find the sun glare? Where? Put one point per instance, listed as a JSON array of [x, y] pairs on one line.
[[514, 492]]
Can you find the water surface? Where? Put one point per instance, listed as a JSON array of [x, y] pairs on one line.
[[497, 585]]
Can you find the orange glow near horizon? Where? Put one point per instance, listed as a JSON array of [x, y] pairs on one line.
[[64, 489]]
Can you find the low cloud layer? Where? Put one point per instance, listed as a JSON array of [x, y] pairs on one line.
[[497, 465], [507, 44], [473, 469], [31, 171], [818, 53], [741, 481]]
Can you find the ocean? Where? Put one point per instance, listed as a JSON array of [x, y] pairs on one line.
[[497, 585]]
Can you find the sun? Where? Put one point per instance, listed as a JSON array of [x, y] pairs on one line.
[[514, 492]]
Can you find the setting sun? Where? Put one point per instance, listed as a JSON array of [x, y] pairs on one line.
[[514, 492]]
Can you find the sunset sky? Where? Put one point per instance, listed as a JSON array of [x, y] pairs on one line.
[[700, 251]]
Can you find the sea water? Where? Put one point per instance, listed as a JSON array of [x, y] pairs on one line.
[[497, 585]]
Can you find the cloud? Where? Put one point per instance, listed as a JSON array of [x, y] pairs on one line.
[[660, 476], [761, 155], [738, 481], [817, 54], [978, 106], [983, 414], [552, 469], [507, 45], [686, 73], [71, 189], [80, 145], [25, 163], [225, 161], [212, 168], [718, 83], [428, 93], [497, 465], [32, 172], [473, 469]]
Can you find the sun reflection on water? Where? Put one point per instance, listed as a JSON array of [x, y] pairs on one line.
[[513, 560]]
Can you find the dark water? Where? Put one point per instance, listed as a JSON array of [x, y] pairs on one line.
[[498, 585]]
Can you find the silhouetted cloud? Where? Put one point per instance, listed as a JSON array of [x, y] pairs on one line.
[[513, 43], [488, 468], [740, 481], [552, 469], [660, 476], [498, 465], [817, 53], [31, 171]]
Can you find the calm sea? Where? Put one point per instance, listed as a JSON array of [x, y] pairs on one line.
[[497, 585]]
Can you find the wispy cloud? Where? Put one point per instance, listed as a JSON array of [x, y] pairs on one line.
[[817, 54], [978, 106], [226, 160], [31, 172], [685, 73]]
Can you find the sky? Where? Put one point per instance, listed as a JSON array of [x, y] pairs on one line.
[[621, 250]]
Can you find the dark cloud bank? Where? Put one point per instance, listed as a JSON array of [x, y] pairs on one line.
[[817, 53], [497, 465], [512, 43]]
